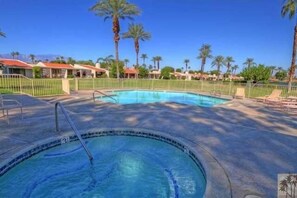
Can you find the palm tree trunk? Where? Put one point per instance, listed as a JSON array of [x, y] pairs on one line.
[[137, 51], [158, 63], [293, 63], [202, 65], [116, 31]]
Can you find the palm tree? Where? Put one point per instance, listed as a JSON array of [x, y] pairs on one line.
[[32, 57], [158, 59], [234, 68], [228, 61], [289, 8], [218, 62], [13, 54], [136, 32], [249, 62], [144, 56], [108, 59], [154, 60], [2, 34], [186, 61], [17, 54], [61, 59], [126, 62], [205, 52], [115, 10]]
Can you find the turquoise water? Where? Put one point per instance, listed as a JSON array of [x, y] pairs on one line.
[[132, 97], [124, 166]]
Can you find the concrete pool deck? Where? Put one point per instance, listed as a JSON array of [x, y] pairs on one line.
[[252, 142]]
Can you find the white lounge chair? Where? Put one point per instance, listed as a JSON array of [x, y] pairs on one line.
[[7, 104]]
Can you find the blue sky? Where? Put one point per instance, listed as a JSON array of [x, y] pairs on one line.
[[238, 28]]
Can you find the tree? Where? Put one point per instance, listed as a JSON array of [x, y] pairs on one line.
[[234, 68], [136, 32], [281, 75], [144, 56], [126, 61], [2, 34], [228, 61], [154, 59], [186, 61], [256, 73], [165, 72], [113, 70], [32, 57], [37, 72], [13, 54], [115, 10], [71, 61], [178, 70], [272, 68], [17, 54], [218, 62], [249, 62], [143, 72], [158, 59], [85, 62], [289, 8], [205, 52], [106, 62]]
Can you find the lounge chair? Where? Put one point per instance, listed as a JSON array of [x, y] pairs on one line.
[[7, 104], [240, 93], [275, 95]]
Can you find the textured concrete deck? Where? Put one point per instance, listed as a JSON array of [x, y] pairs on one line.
[[251, 142]]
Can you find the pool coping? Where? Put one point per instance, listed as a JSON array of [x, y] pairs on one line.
[[217, 181]]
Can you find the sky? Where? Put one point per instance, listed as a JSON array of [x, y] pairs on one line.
[[237, 28]]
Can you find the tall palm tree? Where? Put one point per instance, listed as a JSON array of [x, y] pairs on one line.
[[249, 62], [234, 68], [218, 62], [289, 8], [115, 10], [126, 62], [2, 34], [154, 60], [61, 59], [158, 59], [17, 54], [13, 54], [136, 32], [205, 52], [186, 61], [144, 56], [32, 57], [228, 61], [107, 59]]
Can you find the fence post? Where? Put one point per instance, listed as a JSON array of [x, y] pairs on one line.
[[20, 79], [249, 86], [32, 83], [75, 84], [93, 83], [230, 88]]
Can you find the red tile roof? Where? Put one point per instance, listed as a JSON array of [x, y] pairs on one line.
[[15, 63], [94, 68], [58, 66], [130, 71]]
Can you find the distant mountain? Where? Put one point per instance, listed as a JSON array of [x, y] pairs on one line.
[[26, 58]]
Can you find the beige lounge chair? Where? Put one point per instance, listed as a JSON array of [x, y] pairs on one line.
[[275, 95], [7, 104], [240, 93]]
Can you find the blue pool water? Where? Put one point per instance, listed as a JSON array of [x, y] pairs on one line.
[[132, 97], [123, 166]]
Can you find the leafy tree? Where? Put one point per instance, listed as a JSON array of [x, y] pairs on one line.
[[165, 72], [272, 68], [218, 62], [289, 8], [115, 10], [205, 52], [86, 62], [143, 72], [158, 59], [37, 71], [32, 57], [191, 72], [216, 72], [71, 61], [144, 56], [256, 73], [249, 62], [2, 34], [113, 71], [136, 32], [228, 61], [281, 75], [178, 70]]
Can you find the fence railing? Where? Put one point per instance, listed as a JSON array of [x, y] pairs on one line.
[[48, 87]]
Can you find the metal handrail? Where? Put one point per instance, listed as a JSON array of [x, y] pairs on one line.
[[72, 126], [97, 91]]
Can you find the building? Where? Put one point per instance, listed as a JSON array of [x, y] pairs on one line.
[[95, 72], [131, 72], [155, 74], [56, 70], [12, 66]]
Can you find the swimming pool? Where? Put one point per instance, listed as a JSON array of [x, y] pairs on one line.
[[123, 166], [132, 97]]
